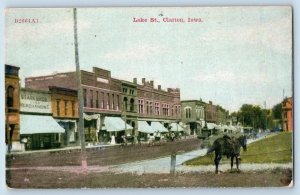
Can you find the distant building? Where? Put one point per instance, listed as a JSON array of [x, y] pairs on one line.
[[287, 114], [216, 114], [12, 107], [211, 113], [193, 115]]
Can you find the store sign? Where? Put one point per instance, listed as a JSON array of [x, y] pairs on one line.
[[36, 102]]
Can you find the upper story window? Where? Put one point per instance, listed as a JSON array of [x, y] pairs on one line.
[[118, 102], [66, 107], [92, 98], [157, 108], [73, 108], [188, 112], [84, 98], [58, 107], [97, 99], [131, 105], [141, 106], [10, 96]]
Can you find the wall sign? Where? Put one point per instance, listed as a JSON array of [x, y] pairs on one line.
[[33, 101]]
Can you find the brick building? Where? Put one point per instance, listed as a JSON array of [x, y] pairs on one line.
[[12, 107], [216, 114], [157, 103], [287, 114], [64, 106], [38, 129], [107, 100]]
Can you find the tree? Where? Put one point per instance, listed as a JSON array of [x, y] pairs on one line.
[[277, 111], [252, 115]]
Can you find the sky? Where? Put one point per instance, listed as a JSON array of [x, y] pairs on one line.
[[236, 55]]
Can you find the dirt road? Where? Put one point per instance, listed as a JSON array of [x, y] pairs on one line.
[[60, 179], [102, 156]]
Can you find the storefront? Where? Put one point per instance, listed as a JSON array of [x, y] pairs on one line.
[[115, 128], [40, 132], [92, 127], [38, 129], [70, 135]]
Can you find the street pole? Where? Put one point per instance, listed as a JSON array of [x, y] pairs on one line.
[[80, 94]]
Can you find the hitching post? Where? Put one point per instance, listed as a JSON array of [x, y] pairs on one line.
[[173, 163], [80, 95]]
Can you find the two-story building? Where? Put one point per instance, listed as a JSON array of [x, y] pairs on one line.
[[160, 108], [64, 105], [287, 114], [193, 115], [38, 129], [12, 108]]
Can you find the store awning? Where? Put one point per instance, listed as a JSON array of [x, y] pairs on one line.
[[211, 125], [34, 124], [157, 126], [115, 124], [144, 127], [176, 127], [219, 127]]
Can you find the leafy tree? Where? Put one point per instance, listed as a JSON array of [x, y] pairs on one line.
[[252, 115], [277, 111]]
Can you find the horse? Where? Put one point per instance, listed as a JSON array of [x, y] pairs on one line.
[[127, 139], [229, 147]]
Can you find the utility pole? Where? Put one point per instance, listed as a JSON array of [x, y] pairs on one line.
[[80, 94]]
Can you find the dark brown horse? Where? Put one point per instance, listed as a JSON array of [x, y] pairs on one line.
[[229, 147]]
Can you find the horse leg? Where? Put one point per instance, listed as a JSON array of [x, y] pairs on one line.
[[237, 163], [217, 161], [231, 158]]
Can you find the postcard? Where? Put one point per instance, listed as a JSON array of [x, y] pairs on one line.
[[139, 97]]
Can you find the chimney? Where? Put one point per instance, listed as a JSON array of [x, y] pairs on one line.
[[152, 83], [159, 87], [135, 80], [143, 81]]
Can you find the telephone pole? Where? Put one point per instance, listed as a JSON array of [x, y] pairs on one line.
[[80, 94]]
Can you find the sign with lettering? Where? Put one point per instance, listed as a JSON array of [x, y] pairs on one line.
[[35, 101]]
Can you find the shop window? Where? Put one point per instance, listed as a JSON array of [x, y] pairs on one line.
[[10, 96]]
